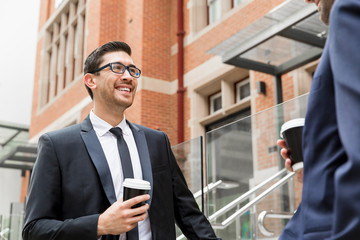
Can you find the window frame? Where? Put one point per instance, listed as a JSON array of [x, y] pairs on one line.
[[238, 85], [210, 4], [211, 102], [62, 62]]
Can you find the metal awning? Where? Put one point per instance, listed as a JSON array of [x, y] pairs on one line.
[[287, 37], [15, 151]]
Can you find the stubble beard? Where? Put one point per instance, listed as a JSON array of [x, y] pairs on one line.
[[121, 104], [116, 104]]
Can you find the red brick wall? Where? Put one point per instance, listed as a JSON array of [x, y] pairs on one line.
[[287, 87], [156, 31], [61, 105]]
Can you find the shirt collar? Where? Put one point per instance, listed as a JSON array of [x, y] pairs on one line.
[[101, 127], [124, 126]]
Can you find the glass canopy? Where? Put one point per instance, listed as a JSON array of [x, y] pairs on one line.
[[15, 151], [285, 38]]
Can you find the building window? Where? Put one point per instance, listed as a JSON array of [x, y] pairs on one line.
[[243, 90], [214, 10], [215, 103], [63, 50]]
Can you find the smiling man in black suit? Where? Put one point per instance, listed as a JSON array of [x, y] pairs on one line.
[[76, 186]]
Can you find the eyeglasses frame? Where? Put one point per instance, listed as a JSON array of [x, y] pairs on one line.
[[111, 68]]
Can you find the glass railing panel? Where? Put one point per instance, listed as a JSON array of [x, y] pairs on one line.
[[189, 156], [11, 226], [241, 228], [244, 153], [229, 159]]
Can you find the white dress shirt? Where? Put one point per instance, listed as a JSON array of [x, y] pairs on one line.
[[108, 143]]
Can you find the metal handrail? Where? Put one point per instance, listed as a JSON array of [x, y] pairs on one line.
[[265, 214], [208, 188], [245, 208], [245, 196], [3, 233]]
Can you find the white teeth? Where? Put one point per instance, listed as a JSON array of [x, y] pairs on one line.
[[125, 89]]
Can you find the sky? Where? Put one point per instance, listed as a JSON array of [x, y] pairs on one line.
[[18, 38]]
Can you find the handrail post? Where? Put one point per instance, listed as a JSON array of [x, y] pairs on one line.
[[253, 223], [291, 195], [238, 225]]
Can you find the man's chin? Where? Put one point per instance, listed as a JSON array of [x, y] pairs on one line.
[[125, 104]]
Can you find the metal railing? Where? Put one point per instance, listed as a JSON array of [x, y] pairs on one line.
[[264, 214], [224, 224], [208, 188], [245, 196]]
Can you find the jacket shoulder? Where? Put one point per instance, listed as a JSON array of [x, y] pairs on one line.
[[148, 130], [64, 132], [151, 133]]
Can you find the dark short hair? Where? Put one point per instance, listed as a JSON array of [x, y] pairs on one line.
[[95, 58]]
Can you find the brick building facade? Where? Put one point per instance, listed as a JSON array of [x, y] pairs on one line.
[[72, 29]]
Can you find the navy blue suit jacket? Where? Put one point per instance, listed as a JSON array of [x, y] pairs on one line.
[[71, 185], [330, 207]]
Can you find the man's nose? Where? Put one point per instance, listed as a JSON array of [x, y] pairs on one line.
[[126, 74]]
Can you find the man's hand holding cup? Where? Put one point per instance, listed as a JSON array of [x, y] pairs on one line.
[[291, 145]]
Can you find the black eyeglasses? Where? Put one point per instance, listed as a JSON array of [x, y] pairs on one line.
[[120, 68]]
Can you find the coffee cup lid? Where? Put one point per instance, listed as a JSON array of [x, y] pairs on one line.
[[136, 183], [298, 166], [297, 122]]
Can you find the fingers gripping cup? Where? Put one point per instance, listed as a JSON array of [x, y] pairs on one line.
[[291, 131], [135, 187]]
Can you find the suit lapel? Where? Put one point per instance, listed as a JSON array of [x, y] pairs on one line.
[[97, 156], [143, 150]]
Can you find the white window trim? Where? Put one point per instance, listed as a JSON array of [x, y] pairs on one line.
[[218, 11], [60, 27], [212, 98], [238, 85]]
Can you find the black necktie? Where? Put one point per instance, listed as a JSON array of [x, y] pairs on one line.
[[124, 153], [133, 234]]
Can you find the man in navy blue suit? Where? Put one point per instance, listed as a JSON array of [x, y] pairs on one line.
[[330, 207]]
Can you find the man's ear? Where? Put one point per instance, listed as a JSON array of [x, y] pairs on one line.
[[90, 80]]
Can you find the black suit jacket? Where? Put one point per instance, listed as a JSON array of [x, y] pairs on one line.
[[71, 186]]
